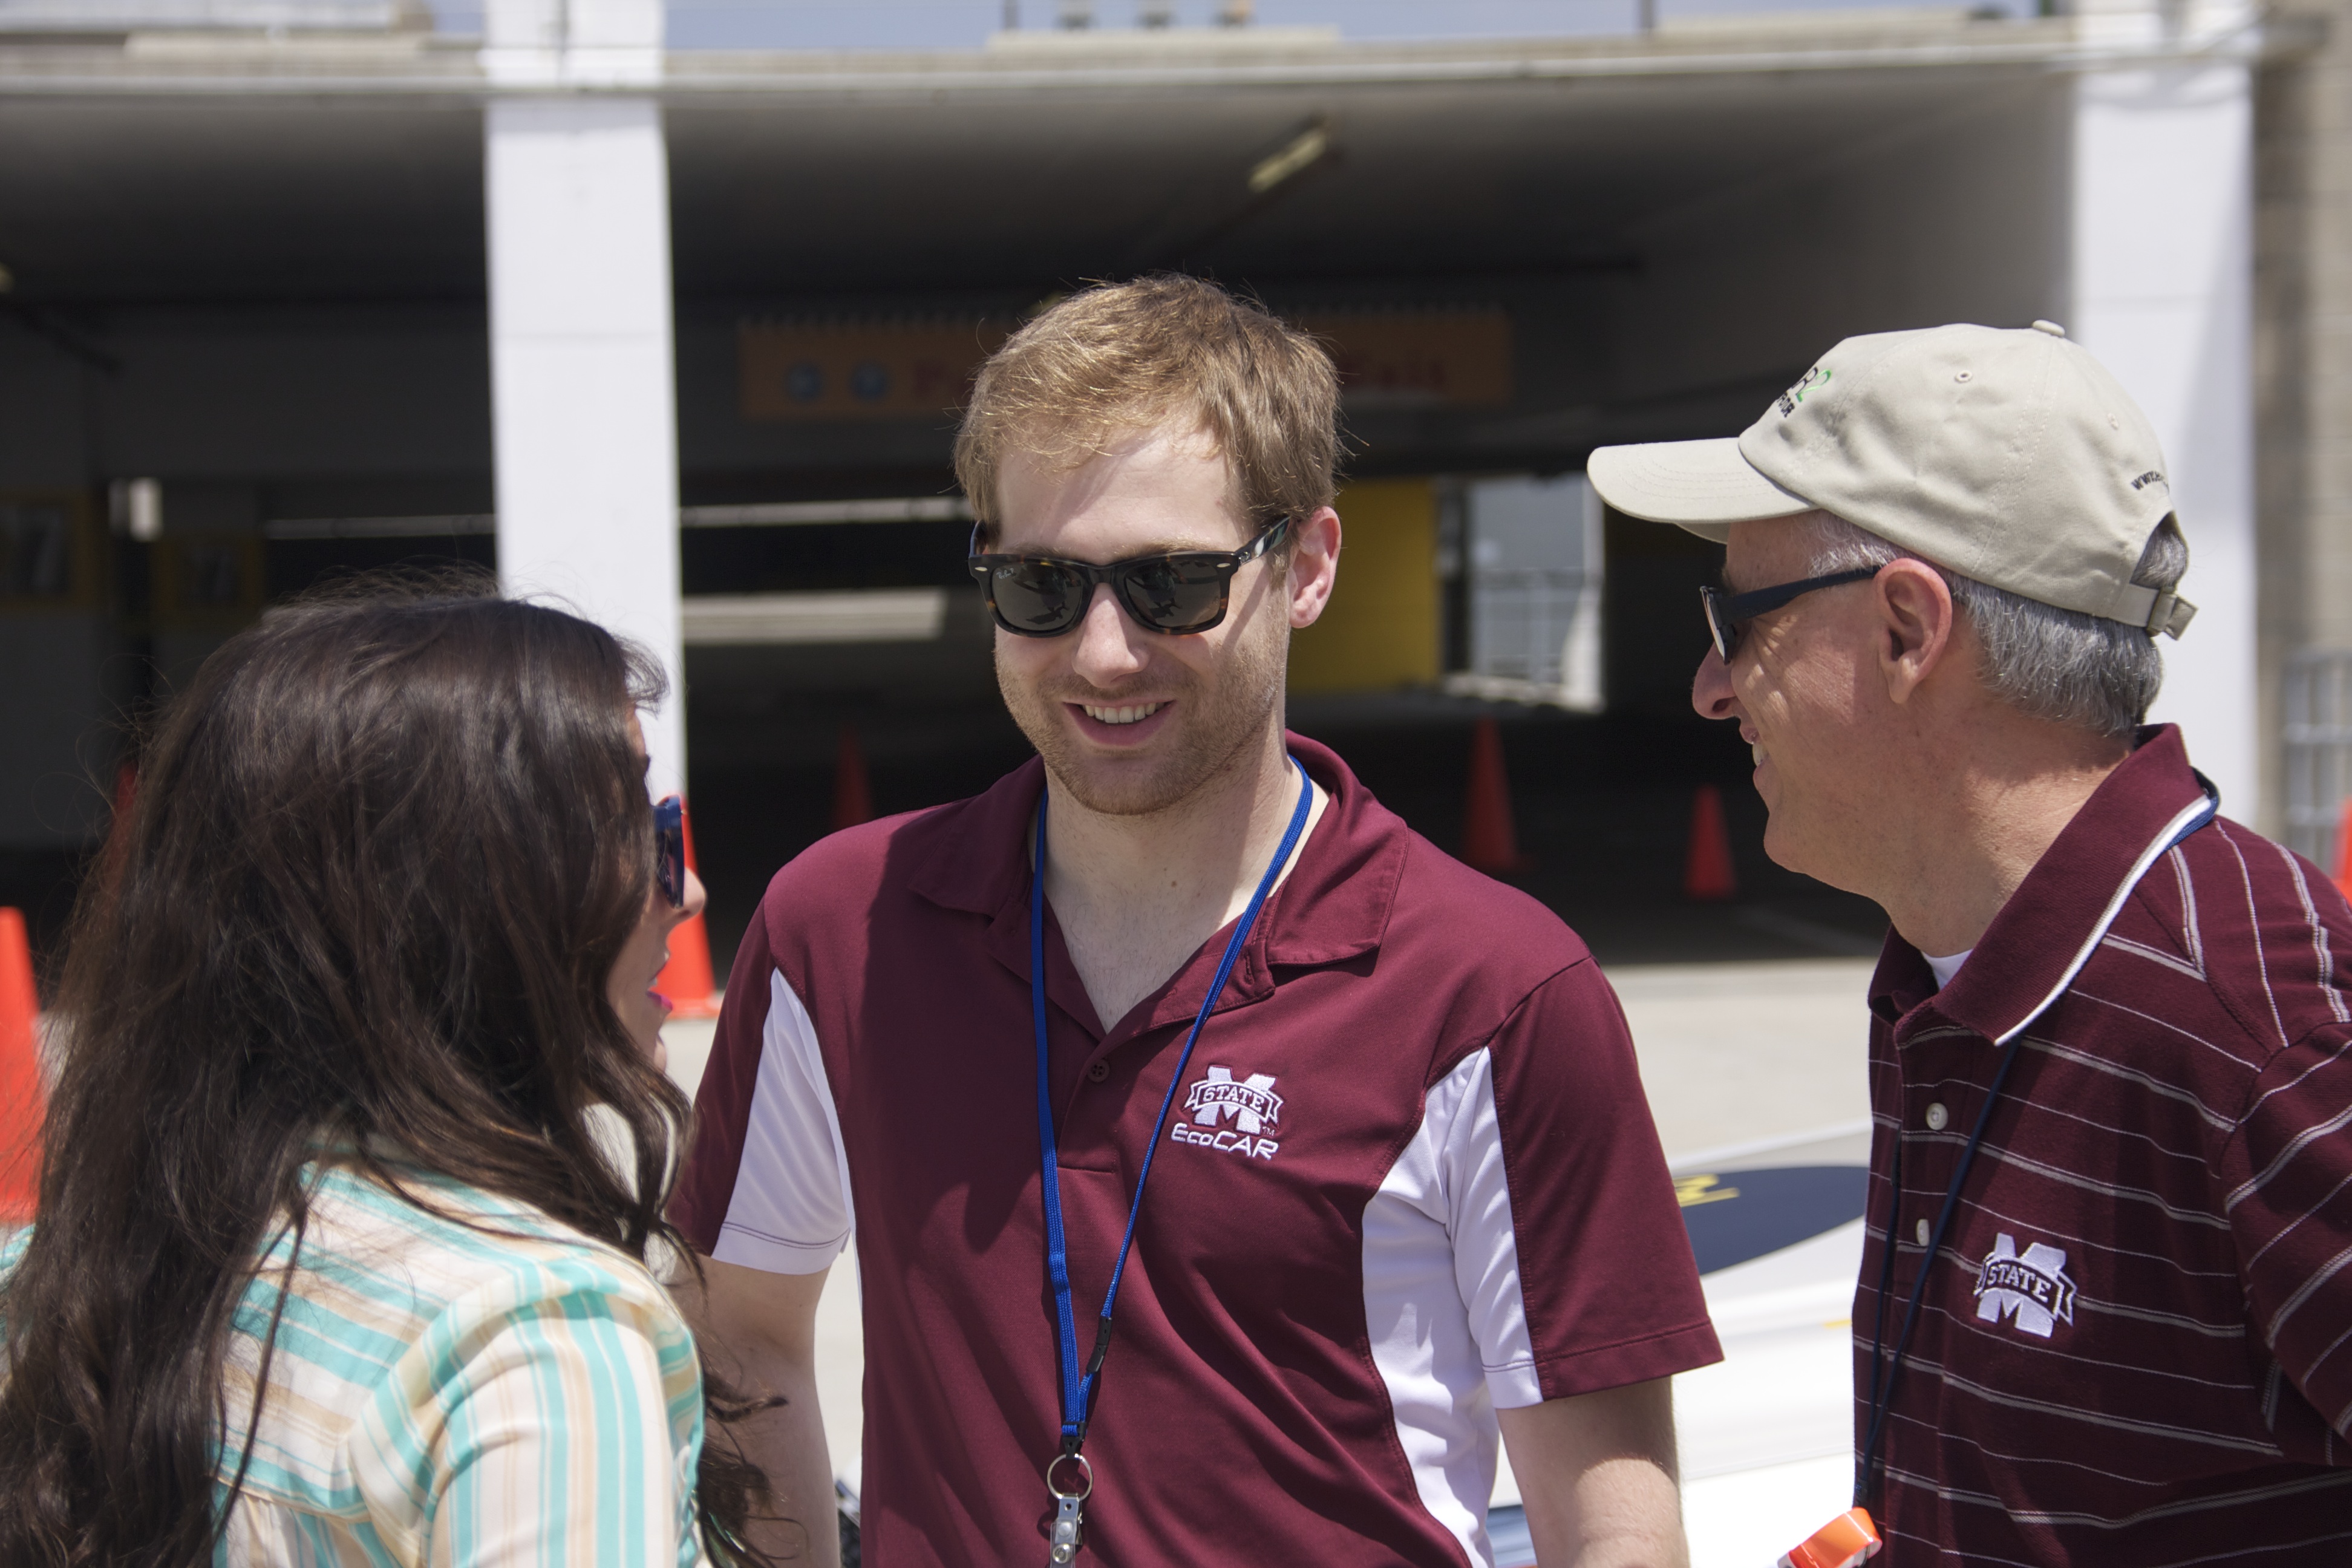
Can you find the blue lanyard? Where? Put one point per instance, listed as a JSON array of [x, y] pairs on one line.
[[1882, 1390], [1078, 1393]]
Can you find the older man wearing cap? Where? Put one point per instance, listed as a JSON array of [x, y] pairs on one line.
[[2105, 1307]]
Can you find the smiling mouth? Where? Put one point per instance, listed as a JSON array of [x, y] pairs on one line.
[[1134, 714]]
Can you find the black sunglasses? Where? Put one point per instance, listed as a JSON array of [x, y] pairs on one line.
[[669, 849], [1727, 612], [1045, 596]]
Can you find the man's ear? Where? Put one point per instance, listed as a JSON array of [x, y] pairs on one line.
[[1314, 568], [1917, 625]]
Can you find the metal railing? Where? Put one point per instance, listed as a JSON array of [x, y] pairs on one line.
[[1521, 619], [2316, 725], [1534, 637]]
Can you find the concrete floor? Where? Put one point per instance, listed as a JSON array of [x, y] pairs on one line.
[[1735, 1054], [1759, 1062]]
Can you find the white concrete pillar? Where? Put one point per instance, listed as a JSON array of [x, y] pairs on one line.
[[583, 401], [2162, 291]]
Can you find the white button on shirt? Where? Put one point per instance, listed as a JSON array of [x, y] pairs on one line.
[[1939, 1117]]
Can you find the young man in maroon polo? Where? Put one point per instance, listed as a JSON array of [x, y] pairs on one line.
[[1404, 1187], [2105, 1308]]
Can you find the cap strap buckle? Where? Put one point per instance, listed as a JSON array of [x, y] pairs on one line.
[[2170, 614]]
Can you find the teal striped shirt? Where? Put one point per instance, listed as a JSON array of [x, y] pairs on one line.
[[443, 1394]]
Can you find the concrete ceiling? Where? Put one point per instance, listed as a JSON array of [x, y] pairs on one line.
[[124, 200], [915, 195], [1434, 182]]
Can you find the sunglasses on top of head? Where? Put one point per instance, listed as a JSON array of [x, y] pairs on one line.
[[669, 849], [1727, 614], [1184, 591]]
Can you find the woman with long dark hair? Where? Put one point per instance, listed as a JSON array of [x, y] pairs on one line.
[[360, 1139]]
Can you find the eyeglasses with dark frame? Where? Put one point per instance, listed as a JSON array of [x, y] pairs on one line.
[[1728, 612], [669, 849], [1179, 594]]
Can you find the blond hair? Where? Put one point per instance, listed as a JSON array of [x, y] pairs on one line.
[[1123, 357]]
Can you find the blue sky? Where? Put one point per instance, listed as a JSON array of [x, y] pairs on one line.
[[965, 24]]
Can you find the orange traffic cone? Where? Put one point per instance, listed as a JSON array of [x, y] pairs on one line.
[[1488, 841], [2344, 850], [686, 978], [20, 1073], [1707, 867], [853, 798]]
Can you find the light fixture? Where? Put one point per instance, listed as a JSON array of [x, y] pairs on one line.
[[1306, 149], [137, 509]]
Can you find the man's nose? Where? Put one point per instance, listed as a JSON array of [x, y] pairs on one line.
[[1711, 687], [1107, 653]]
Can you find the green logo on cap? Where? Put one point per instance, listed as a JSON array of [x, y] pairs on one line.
[[1796, 394]]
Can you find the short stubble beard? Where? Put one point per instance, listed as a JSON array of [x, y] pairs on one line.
[[1218, 725]]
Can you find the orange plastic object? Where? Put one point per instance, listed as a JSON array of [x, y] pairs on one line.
[[686, 979], [2344, 850], [1843, 1542], [1707, 876], [21, 1098], [1489, 842]]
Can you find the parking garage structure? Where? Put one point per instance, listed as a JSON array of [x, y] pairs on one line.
[[680, 337]]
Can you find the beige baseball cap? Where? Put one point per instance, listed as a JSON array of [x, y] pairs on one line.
[[2007, 455]]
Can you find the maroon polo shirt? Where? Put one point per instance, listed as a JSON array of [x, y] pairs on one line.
[[2136, 1346], [1410, 1176]]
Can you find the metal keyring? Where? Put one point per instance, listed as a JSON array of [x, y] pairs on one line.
[[1078, 1459]]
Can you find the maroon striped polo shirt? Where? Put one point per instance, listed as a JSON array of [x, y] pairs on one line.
[[2136, 1346], [1410, 1177]]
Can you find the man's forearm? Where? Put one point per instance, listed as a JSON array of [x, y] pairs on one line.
[[760, 1332], [1628, 1514], [788, 1443], [1598, 1474]]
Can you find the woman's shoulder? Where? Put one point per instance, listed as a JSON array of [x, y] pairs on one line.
[[413, 1293], [427, 1245], [409, 1301], [371, 1252]]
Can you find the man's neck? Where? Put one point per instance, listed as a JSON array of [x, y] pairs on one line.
[[1137, 895], [1980, 827]]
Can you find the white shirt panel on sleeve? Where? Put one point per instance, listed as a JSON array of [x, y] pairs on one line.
[[791, 1211], [1442, 1299], [1486, 1243]]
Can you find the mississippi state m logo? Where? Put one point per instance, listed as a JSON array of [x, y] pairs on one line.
[[1241, 1112], [2034, 1287]]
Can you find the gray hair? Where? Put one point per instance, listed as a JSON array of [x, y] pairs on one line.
[[2058, 665]]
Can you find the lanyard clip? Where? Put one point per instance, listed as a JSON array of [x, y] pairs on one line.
[[1069, 1502], [1069, 1515]]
